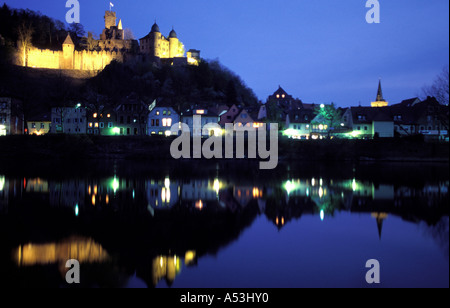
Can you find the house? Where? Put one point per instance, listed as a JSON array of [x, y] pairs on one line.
[[68, 120], [132, 117], [161, 118], [298, 124], [427, 117], [39, 125], [244, 119], [101, 121], [207, 117], [229, 116], [368, 122], [11, 117]]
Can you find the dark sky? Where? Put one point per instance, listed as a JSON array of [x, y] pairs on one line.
[[319, 51]]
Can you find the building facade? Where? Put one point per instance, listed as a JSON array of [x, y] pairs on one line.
[[11, 117], [68, 120]]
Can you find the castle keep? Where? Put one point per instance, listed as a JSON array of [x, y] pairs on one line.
[[112, 45]]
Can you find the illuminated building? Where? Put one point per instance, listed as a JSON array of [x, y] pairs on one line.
[[298, 124], [161, 118], [168, 49], [39, 125], [11, 116], [113, 45], [368, 122], [379, 101]]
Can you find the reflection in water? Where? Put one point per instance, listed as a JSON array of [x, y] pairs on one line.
[[158, 224], [83, 250]]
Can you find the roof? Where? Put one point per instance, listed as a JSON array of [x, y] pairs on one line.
[[367, 115], [155, 28], [379, 93], [68, 40], [173, 34], [301, 116]]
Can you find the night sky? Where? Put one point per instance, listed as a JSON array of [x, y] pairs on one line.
[[319, 51]]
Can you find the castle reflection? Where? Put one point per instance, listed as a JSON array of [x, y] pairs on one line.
[[182, 218]]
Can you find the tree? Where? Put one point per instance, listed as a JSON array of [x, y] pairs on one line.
[[328, 115], [25, 35], [128, 34], [440, 88], [89, 42]]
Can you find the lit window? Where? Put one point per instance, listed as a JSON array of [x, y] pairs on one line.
[[90, 124], [200, 111], [95, 115], [283, 96], [164, 122], [278, 95], [157, 113], [169, 122], [96, 125], [108, 115]]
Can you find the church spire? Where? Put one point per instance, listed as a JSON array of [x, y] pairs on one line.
[[380, 93]]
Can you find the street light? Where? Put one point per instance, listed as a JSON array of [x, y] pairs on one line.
[[322, 106]]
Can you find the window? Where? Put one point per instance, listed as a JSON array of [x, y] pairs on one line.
[[108, 115], [157, 113], [157, 122], [397, 118], [42, 125], [110, 125], [91, 124], [81, 120], [121, 119], [365, 128], [68, 120], [295, 126], [244, 116], [75, 120], [95, 115], [102, 125], [128, 120], [33, 125], [96, 124], [359, 127], [164, 112]]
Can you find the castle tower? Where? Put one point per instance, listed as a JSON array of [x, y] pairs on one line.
[[110, 19], [68, 53], [173, 45], [379, 101]]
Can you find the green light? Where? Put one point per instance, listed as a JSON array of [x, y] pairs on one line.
[[322, 215], [116, 130], [290, 186], [115, 184], [77, 210]]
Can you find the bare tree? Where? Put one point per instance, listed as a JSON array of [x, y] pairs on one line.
[[128, 34], [440, 87], [25, 35]]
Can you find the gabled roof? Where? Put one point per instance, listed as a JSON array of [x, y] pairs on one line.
[[301, 116], [366, 115]]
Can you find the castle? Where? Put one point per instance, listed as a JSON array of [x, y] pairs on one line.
[[112, 45]]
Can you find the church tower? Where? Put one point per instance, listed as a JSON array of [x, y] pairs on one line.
[[379, 101], [173, 45]]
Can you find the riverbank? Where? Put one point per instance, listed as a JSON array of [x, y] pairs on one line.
[[158, 148]]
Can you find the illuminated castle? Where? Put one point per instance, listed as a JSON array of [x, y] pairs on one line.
[[156, 45], [112, 45]]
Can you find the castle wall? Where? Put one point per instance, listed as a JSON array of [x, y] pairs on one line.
[[79, 60], [44, 58]]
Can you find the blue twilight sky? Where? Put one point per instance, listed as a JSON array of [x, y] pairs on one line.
[[319, 51]]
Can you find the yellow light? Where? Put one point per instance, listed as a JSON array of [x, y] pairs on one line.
[[313, 182], [321, 127], [189, 257], [168, 133], [95, 115], [216, 186], [199, 205], [200, 111], [282, 221], [167, 183], [96, 125], [277, 221], [107, 199], [95, 189], [93, 200], [161, 262], [108, 115], [89, 190], [320, 192]]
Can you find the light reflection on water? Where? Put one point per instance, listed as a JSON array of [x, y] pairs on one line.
[[161, 230]]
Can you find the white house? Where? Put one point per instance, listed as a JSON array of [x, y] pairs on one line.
[[68, 120]]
